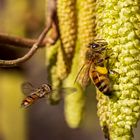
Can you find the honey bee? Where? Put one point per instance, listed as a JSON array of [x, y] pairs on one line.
[[45, 90], [94, 68]]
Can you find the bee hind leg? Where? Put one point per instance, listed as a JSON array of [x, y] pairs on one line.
[[113, 72]]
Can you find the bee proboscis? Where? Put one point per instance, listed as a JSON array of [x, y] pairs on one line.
[[94, 68], [45, 90]]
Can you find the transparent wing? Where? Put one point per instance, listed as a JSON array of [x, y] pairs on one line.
[[83, 75], [27, 88]]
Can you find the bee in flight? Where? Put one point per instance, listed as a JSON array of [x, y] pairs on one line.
[[94, 68], [45, 90]]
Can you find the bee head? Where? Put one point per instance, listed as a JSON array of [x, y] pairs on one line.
[[97, 46], [93, 45], [90, 54], [47, 87]]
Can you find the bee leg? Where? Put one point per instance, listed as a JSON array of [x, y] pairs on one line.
[[98, 76], [113, 72], [106, 132], [113, 75]]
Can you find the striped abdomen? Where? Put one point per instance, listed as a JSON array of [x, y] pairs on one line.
[[101, 81], [29, 100]]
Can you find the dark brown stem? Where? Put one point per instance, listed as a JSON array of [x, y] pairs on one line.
[[51, 22], [12, 63], [16, 41]]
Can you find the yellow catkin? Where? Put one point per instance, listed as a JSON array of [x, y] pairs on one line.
[[118, 23], [53, 54], [103, 111], [86, 26], [74, 107], [63, 68], [67, 25], [74, 103], [53, 79]]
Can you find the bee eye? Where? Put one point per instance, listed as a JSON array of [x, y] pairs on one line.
[[93, 46]]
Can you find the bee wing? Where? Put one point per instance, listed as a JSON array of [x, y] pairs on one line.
[[83, 75], [27, 88]]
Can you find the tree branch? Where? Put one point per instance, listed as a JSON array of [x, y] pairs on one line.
[[29, 54], [16, 41], [51, 23]]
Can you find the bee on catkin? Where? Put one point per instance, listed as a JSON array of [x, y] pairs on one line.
[[94, 68]]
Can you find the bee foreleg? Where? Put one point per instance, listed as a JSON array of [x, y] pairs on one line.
[[98, 76], [113, 72]]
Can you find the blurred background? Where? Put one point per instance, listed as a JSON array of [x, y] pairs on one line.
[[41, 121]]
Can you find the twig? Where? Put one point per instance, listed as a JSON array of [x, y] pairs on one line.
[[16, 41], [51, 22], [12, 63], [29, 54]]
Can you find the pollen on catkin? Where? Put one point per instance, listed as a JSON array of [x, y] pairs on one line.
[[86, 26], [51, 58], [118, 22], [74, 103], [67, 26]]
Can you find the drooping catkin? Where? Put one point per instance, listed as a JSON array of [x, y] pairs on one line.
[[51, 58], [63, 67], [118, 23], [103, 111], [67, 26], [74, 103], [86, 26], [86, 21]]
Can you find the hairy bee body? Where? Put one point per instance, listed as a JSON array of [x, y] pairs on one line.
[[94, 68], [100, 80]]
